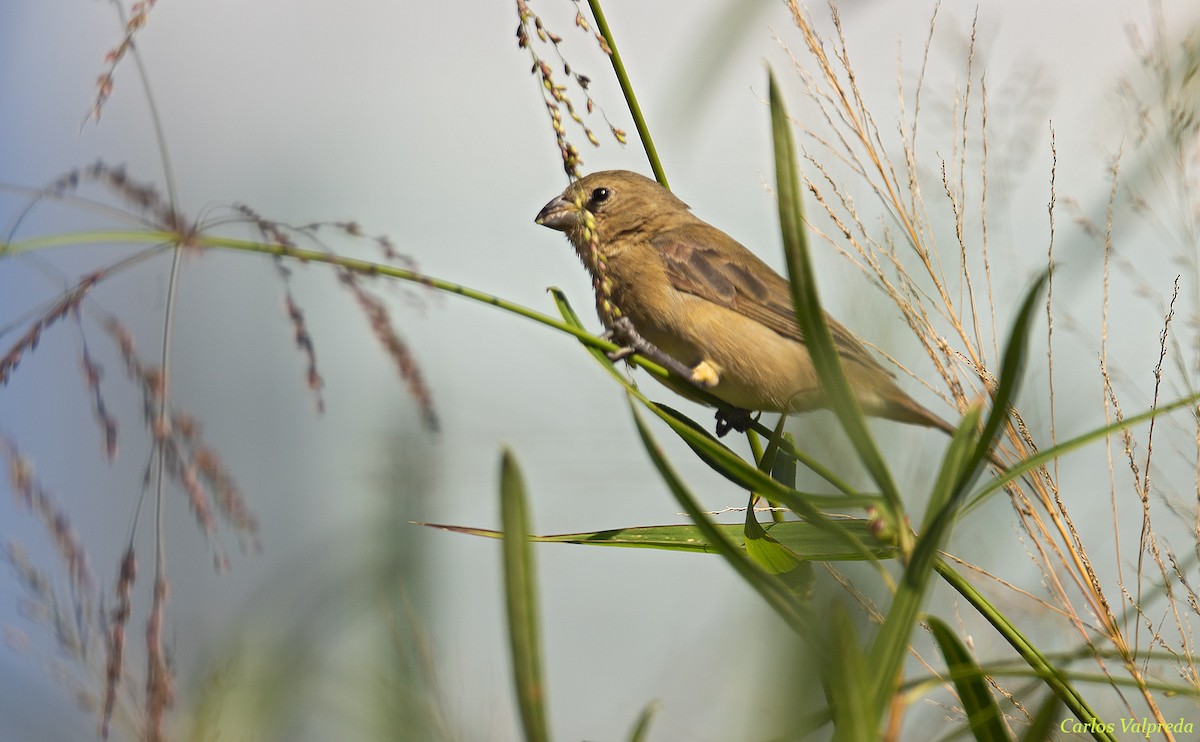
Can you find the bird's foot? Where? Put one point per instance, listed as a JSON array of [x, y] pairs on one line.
[[734, 418], [619, 354], [625, 337], [631, 341]]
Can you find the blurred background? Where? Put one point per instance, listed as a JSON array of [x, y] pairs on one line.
[[421, 121]]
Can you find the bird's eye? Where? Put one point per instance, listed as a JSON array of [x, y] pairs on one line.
[[600, 195]]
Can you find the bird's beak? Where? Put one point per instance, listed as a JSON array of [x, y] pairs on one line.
[[559, 214]]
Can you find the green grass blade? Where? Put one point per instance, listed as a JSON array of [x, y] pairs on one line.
[[1057, 681], [783, 467], [811, 317], [945, 504], [802, 539], [983, 712], [1012, 369], [891, 646], [958, 457], [721, 459], [641, 727], [774, 557], [1045, 722], [520, 597], [772, 589], [635, 110], [1047, 455], [847, 678]]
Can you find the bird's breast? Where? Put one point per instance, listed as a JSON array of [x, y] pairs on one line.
[[758, 369]]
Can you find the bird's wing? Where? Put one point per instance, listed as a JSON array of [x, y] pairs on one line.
[[697, 260]]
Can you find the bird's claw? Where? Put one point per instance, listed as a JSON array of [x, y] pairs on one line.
[[623, 335], [620, 354], [630, 341], [734, 418]]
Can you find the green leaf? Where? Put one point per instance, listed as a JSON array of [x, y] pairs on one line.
[[809, 314], [891, 646], [520, 596], [1055, 678], [1049, 454], [805, 540], [1012, 370], [955, 461], [944, 506], [848, 680], [772, 589], [721, 459], [783, 467], [1044, 722], [983, 713], [641, 727], [776, 558]]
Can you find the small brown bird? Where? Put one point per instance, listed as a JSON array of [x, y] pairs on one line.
[[687, 290]]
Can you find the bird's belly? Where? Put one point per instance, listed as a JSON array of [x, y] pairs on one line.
[[757, 368]]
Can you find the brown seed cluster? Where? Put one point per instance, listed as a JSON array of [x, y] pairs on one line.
[[554, 94], [139, 15], [67, 305], [380, 319], [35, 499], [385, 332], [273, 232], [191, 463], [115, 639], [143, 197]]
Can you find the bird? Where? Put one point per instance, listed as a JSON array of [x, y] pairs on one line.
[[682, 292]]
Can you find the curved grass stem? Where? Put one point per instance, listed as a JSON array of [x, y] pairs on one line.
[[635, 110]]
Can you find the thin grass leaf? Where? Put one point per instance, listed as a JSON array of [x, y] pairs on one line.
[[1047, 455], [983, 712], [641, 727], [1057, 681], [772, 589], [957, 458], [721, 459], [1045, 722], [809, 314], [635, 110], [520, 597], [847, 678], [783, 467], [1012, 370], [804, 540], [771, 555], [891, 646], [944, 505]]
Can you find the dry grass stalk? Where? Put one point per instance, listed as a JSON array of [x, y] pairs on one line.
[[926, 300]]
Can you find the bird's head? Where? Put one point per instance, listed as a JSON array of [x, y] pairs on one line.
[[619, 202]]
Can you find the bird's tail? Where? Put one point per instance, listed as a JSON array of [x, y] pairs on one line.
[[908, 410]]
